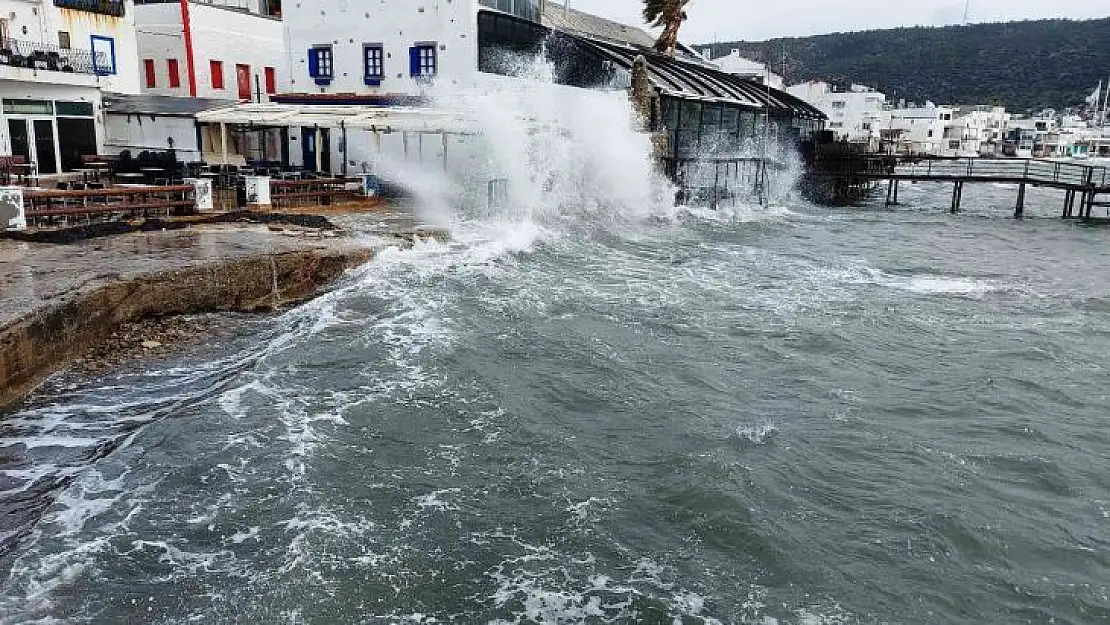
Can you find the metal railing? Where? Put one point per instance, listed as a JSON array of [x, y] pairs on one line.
[[115, 8], [1028, 171], [49, 57], [55, 207]]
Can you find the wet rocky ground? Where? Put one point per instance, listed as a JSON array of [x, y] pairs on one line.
[[157, 338]]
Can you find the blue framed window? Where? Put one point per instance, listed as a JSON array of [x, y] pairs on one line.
[[321, 64], [422, 60], [373, 64], [103, 55]]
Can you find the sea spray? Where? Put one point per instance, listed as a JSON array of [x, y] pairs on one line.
[[555, 151]]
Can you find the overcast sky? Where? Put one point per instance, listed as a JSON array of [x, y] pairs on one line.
[[726, 20]]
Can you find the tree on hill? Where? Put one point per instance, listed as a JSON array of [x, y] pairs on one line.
[[1021, 65], [670, 14]]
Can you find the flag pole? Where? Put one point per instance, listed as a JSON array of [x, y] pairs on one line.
[[1105, 102]]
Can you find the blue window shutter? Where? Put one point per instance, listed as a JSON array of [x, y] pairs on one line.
[[313, 63], [414, 61]]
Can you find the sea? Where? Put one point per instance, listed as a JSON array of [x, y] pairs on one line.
[[607, 411]]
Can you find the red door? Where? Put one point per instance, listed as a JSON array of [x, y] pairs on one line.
[[243, 77]]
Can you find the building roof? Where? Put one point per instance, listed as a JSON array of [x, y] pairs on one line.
[[686, 75], [170, 106], [572, 21], [559, 17], [681, 78]]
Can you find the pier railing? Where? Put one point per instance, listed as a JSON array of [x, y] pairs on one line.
[[1030, 171]]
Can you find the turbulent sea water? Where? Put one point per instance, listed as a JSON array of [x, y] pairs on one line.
[[782, 415]]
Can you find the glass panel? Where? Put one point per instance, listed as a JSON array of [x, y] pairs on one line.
[[75, 109], [28, 107], [730, 119], [711, 115], [20, 140], [44, 146], [691, 115], [686, 145], [76, 138]]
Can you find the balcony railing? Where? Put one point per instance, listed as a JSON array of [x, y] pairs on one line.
[[44, 56], [103, 7]]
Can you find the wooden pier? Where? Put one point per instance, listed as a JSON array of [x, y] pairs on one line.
[[1084, 186]]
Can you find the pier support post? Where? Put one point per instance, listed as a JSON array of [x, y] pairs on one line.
[[896, 184], [1090, 203], [1019, 211], [889, 192], [957, 197], [1068, 195]]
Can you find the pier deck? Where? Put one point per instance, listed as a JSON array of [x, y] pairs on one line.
[[1085, 184]]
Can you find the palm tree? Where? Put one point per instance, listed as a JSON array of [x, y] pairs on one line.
[[669, 14]]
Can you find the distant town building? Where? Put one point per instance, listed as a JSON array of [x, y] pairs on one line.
[[975, 131], [855, 112], [55, 59], [737, 65], [916, 129]]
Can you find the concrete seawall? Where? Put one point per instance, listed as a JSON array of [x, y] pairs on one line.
[[53, 320]]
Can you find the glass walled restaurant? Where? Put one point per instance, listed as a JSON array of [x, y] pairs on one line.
[[705, 112]]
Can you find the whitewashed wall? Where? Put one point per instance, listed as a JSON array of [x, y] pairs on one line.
[[232, 37], [396, 24], [42, 21], [149, 132]]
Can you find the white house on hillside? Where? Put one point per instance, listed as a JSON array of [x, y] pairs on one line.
[[855, 113], [231, 49], [737, 65]]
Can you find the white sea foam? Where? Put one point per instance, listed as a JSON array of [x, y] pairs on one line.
[[757, 435]]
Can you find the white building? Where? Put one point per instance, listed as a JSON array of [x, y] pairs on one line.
[[337, 47], [975, 131], [55, 59], [916, 129], [855, 113], [231, 49], [737, 65]]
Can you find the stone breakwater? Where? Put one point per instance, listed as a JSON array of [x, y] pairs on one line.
[[63, 300]]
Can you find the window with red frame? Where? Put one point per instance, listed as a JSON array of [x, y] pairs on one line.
[[217, 74], [175, 73], [151, 77], [271, 81]]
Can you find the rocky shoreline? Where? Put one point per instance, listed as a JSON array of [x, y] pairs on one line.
[[136, 311]]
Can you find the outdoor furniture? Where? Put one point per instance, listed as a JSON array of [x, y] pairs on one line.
[[87, 173], [51, 205]]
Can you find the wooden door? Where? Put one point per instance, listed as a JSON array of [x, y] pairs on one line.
[[243, 79]]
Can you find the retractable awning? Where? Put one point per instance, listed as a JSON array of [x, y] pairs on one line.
[[373, 118]]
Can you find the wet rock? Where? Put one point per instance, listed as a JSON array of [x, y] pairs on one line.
[[65, 328]]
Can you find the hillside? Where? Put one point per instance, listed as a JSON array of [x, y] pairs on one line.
[[1023, 65]]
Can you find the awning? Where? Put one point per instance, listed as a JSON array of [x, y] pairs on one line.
[[382, 119]]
